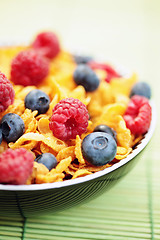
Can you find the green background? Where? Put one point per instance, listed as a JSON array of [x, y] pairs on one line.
[[125, 32]]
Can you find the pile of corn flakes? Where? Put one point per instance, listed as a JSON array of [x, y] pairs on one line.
[[106, 105]]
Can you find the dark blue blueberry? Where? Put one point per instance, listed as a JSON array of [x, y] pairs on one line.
[[1, 137], [81, 59], [12, 127], [48, 159], [37, 100], [106, 129], [99, 148], [85, 76], [142, 89]]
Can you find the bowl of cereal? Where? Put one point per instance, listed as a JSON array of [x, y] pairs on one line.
[[70, 127]]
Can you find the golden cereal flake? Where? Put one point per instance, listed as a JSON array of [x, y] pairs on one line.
[[51, 141], [3, 146], [30, 121], [17, 107], [78, 151], [81, 173], [123, 85], [66, 152], [24, 91], [123, 153]]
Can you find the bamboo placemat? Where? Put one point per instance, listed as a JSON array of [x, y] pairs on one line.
[[131, 210]]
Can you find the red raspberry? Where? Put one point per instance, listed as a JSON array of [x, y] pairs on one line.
[[47, 43], [111, 73], [16, 166], [70, 118], [29, 68], [138, 115], [6, 93]]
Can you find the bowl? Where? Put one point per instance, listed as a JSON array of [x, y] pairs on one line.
[[30, 200]]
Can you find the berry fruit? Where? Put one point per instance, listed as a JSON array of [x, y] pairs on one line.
[[16, 166], [138, 115], [99, 148], [29, 68], [6, 93], [79, 59], [48, 159], [47, 43], [111, 73], [12, 127], [142, 89], [37, 100], [106, 129], [70, 118], [1, 137], [85, 76]]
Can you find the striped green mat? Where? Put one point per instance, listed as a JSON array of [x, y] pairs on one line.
[[131, 210]]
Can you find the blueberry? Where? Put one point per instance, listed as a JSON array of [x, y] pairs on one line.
[[37, 100], [142, 89], [85, 76], [99, 148], [48, 159], [1, 137], [81, 59], [106, 129], [12, 127]]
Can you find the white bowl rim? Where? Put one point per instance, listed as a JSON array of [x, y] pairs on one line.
[[57, 185]]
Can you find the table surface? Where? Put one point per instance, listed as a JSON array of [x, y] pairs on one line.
[[121, 31]]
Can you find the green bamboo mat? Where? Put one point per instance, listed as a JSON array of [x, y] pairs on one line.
[[129, 211]]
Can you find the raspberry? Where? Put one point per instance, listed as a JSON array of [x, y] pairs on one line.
[[47, 43], [29, 68], [138, 115], [6, 93], [111, 73], [15, 166], [70, 118]]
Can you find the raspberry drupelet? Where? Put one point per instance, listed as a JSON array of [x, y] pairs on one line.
[[29, 68], [70, 118], [16, 166], [138, 115], [6, 93]]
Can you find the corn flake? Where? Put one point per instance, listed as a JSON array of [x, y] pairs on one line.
[[30, 121], [17, 107], [123, 85], [123, 153], [52, 142], [78, 151], [3, 146], [81, 173], [66, 152]]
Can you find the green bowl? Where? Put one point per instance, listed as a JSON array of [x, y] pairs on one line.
[[29, 200]]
